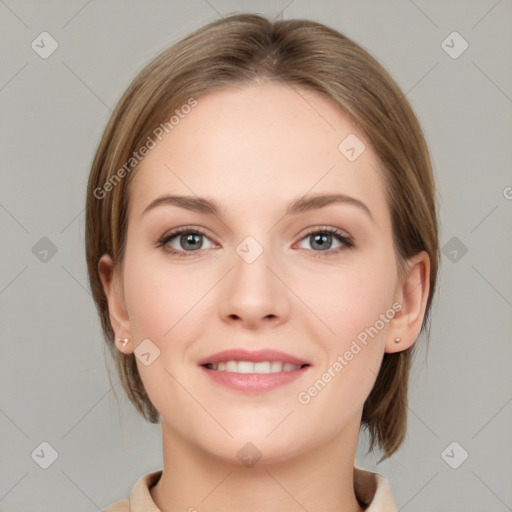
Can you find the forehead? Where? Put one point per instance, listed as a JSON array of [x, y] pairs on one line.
[[256, 146]]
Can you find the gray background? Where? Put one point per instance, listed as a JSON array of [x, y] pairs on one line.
[[54, 384]]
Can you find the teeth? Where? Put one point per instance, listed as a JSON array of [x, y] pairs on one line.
[[276, 366], [231, 366], [250, 367]]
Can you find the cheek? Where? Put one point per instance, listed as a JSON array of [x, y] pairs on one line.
[[354, 303], [355, 308], [156, 298], [350, 298], [167, 303]]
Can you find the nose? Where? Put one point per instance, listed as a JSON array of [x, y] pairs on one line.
[[254, 293]]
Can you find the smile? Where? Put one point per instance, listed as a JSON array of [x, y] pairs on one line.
[[253, 371], [253, 367]]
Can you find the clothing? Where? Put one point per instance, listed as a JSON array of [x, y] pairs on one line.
[[372, 490]]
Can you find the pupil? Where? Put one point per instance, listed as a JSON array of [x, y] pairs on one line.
[[322, 239], [190, 238]]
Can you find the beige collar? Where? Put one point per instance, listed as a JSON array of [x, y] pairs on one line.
[[372, 490]]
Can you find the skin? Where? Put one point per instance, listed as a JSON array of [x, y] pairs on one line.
[[254, 149]]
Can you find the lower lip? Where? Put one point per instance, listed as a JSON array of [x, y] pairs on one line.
[[254, 382]]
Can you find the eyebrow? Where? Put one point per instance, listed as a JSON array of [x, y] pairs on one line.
[[299, 205]]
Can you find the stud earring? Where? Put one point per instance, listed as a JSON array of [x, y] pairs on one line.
[[123, 340], [398, 340]]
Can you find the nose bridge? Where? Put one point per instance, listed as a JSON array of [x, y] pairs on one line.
[[253, 292], [251, 264]]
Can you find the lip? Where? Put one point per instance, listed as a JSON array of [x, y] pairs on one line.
[[255, 356], [253, 382]]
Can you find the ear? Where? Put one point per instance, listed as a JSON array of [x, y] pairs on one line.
[[113, 288], [412, 294]]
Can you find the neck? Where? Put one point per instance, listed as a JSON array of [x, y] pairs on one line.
[[320, 480]]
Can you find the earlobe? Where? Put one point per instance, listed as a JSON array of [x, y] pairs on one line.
[[412, 294], [113, 289]]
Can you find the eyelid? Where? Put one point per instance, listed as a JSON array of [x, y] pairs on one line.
[[326, 228], [172, 233], [187, 229]]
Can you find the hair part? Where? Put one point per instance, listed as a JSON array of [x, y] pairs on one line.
[[244, 49]]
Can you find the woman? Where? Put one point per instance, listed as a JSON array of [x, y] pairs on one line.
[[262, 247]]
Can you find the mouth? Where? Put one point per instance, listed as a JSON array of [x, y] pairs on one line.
[[253, 371], [262, 367]]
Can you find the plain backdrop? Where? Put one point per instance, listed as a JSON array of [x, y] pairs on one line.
[[54, 384]]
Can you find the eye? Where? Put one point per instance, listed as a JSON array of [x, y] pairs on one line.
[[321, 239], [188, 239]]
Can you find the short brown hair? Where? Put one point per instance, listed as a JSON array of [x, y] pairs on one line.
[[248, 48]]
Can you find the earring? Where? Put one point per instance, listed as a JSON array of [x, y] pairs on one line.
[[398, 340], [123, 340]]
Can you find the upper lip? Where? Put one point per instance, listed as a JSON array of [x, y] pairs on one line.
[[255, 356]]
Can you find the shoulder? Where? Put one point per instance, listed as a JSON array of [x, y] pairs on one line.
[[119, 506], [140, 499], [373, 491]]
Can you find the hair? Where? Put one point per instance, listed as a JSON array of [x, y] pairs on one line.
[[247, 49]]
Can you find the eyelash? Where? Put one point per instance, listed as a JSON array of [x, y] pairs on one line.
[[347, 241]]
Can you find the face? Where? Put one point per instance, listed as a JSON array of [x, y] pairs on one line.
[[300, 280]]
